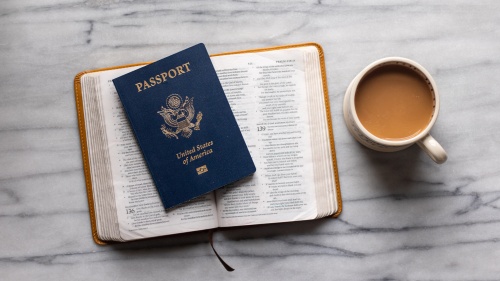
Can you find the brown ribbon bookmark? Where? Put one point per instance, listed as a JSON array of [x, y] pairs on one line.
[[211, 240]]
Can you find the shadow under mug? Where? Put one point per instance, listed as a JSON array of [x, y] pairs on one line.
[[362, 135]]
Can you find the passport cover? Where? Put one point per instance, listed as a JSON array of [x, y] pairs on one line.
[[184, 126]]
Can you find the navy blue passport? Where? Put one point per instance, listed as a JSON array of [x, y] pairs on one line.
[[184, 126]]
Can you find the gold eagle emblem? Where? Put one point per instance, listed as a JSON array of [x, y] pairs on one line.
[[178, 115]]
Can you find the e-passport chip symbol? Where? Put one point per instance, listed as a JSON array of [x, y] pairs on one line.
[[202, 169]]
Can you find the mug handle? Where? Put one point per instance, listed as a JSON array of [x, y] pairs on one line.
[[433, 149]]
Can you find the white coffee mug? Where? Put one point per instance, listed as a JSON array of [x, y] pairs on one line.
[[361, 134]]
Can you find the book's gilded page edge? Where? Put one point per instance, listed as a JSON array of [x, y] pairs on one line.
[[330, 129], [327, 105], [85, 157], [84, 148], [271, 49]]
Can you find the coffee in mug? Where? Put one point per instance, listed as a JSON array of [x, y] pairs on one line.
[[391, 105], [393, 102]]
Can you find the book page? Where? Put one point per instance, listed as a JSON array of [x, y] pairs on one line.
[[139, 208], [266, 93]]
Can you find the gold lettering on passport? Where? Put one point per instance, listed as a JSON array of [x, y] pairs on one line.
[[196, 152], [178, 116], [162, 77]]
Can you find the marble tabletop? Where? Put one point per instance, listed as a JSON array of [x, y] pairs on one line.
[[404, 218]]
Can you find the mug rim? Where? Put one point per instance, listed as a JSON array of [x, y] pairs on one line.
[[402, 142]]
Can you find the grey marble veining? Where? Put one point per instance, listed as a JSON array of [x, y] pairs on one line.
[[405, 218]]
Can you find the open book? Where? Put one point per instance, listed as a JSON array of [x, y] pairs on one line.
[[280, 100]]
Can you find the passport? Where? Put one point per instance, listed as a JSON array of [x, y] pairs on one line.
[[184, 126]]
